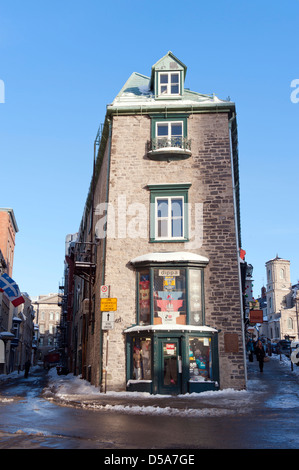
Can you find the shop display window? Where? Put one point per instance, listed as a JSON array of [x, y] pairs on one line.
[[195, 297], [199, 359], [142, 358], [170, 296], [144, 297]]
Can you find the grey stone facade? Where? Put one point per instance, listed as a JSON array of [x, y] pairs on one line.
[[124, 163]]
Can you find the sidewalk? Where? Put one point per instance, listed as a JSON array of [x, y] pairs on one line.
[[263, 389]]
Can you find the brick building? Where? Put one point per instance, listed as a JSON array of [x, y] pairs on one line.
[[161, 228], [8, 230]]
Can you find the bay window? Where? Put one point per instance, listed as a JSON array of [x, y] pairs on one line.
[[170, 294]]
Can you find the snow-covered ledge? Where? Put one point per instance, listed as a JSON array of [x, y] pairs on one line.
[[170, 257], [161, 327]]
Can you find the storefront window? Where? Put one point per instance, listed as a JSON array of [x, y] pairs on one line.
[[195, 297], [170, 296], [199, 359], [144, 297], [142, 353]]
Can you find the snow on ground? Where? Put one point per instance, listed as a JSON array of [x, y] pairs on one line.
[[70, 389]]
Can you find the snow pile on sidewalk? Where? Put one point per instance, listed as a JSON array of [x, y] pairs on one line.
[[70, 389], [71, 385]]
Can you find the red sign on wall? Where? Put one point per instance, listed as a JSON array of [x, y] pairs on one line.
[[256, 316]]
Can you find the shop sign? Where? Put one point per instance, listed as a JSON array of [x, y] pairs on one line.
[[169, 272], [254, 305], [256, 316], [108, 305], [170, 348]]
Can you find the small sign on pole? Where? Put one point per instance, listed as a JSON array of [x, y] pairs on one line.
[[107, 320], [108, 305], [104, 292]]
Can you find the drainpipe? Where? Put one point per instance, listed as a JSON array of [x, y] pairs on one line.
[[105, 238], [237, 242]]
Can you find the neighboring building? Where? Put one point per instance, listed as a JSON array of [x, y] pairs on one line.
[[161, 228], [4, 301], [249, 302], [47, 317], [8, 230], [67, 331], [22, 347], [282, 301]]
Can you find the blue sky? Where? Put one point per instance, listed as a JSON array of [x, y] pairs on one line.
[[62, 62]]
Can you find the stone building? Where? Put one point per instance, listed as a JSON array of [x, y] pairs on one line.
[[161, 229], [22, 347], [47, 317], [282, 301]]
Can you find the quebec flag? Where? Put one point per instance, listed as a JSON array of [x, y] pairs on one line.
[[11, 289]]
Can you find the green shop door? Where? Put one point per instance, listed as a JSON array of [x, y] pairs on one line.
[[170, 361]]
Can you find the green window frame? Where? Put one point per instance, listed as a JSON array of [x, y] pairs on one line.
[[169, 119], [169, 213]]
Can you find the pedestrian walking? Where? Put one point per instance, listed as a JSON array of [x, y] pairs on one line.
[[250, 349], [27, 367], [260, 354]]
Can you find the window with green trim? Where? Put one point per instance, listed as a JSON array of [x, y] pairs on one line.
[[169, 212], [169, 132]]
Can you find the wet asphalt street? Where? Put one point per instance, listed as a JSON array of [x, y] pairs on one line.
[[266, 417]]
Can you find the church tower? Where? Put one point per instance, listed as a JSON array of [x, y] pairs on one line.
[[278, 283]]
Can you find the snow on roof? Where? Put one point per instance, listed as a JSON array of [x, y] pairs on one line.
[[137, 92], [16, 319], [6, 335], [165, 257]]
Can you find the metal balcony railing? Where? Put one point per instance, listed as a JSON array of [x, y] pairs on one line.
[[165, 143]]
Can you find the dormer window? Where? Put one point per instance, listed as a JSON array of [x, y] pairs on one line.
[[169, 83], [168, 78]]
